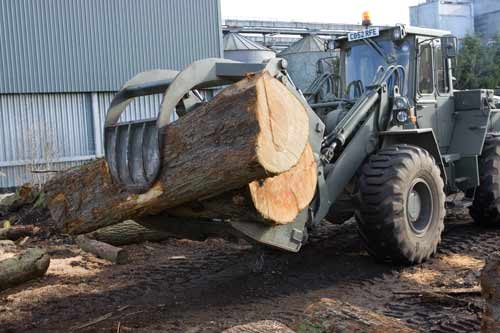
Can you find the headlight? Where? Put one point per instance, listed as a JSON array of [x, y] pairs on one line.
[[400, 103], [402, 116]]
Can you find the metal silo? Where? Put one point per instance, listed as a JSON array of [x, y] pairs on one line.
[[307, 59], [239, 48]]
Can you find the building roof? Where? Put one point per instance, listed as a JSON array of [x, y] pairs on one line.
[[310, 43], [235, 42]]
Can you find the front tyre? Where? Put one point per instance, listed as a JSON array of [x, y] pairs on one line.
[[401, 216]]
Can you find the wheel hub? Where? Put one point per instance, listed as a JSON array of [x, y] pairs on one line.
[[414, 206], [419, 206]]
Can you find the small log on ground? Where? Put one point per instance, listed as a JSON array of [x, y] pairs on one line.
[[102, 250], [274, 200], [16, 232], [490, 290], [264, 326], [334, 316], [253, 129], [28, 265], [127, 232]]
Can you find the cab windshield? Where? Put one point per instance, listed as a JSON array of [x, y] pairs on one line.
[[363, 60]]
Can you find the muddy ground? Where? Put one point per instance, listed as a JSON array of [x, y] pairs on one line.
[[186, 286]]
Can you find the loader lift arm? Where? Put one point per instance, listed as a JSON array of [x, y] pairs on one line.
[[355, 138]]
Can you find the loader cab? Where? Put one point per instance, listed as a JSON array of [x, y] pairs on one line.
[[425, 54]]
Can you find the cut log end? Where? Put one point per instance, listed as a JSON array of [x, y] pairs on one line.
[[284, 125], [281, 198], [276, 200]]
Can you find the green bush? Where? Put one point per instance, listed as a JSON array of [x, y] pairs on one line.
[[478, 64]]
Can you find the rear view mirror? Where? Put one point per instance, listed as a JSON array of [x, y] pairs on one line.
[[449, 45]]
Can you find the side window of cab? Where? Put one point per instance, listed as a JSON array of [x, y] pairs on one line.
[[425, 72], [441, 71]]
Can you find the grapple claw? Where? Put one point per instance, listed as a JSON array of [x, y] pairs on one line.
[[133, 149]]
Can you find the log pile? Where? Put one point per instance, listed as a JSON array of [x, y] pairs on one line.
[[242, 156]]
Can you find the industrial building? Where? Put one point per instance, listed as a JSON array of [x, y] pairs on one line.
[[279, 35], [456, 16], [461, 17], [61, 62], [487, 18]]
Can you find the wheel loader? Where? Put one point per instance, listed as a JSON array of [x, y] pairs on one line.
[[389, 149]]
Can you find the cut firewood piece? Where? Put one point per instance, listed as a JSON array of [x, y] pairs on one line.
[[333, 316], [102, 250], [254, 129], [16, 232], [274, 200], [490, 285], [127, 232], [28, 265]]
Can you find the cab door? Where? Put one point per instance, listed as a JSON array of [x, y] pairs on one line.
[[426, 101], [445, 102]]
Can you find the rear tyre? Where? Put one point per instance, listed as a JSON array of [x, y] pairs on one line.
[[401, 216], [485, 209]]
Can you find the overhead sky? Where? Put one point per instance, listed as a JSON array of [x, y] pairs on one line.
[[384, 12]]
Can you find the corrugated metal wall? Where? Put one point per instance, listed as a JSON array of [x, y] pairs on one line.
[[61, 62], [56, 131], [49, 46]]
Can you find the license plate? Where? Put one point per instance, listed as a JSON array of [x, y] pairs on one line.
[[363, 34]]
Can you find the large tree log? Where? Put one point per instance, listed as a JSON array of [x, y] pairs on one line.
[[127, 232], [275, 200], [251, 130], [29, 265]]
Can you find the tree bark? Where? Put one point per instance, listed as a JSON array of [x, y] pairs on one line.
[[127, 232], [29, 265], [102, 250], [251, 130], [274, 200]]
